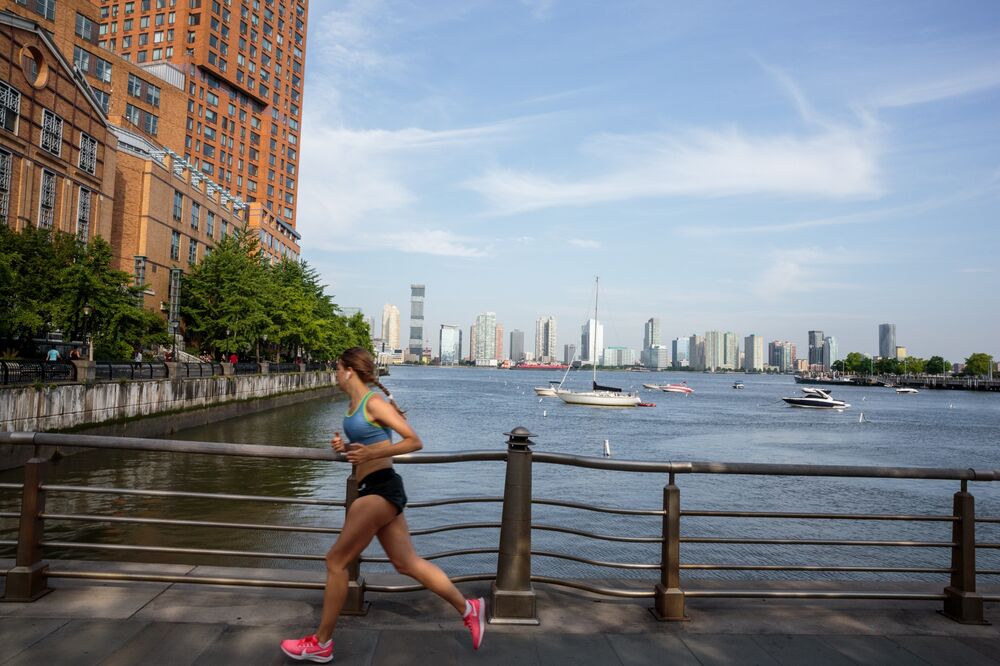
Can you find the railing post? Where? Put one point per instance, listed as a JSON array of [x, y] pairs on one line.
[[668, 598], [27, 580], [355, 603], [962, 603], [512, 597]]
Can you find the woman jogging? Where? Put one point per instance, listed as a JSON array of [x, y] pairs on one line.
[[378, 510]]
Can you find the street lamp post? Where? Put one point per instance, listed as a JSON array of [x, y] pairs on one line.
[[87, 312]]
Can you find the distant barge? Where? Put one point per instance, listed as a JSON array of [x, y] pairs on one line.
[[911, 381]]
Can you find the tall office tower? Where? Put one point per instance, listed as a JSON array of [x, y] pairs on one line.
[[390, 325], [499, 339], [815, 348], [887, 340], [450, 344], [569, 353], [753, 358], [696, 352], [781, 355], [244, 64], [679, 349], [486, 342], [730, 351], [592, 341], [830, 353], [545, 339], [416, 342], [714, 350], [650, 337], [658, 357], [516, 345]]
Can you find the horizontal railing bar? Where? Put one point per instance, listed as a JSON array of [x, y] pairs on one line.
[[600, 509], [307, 453], [782, 567], [811, 594], [9, 514], [451, 500], [7, 542], [188, 523], [177, 550], [596, 563], [988, 545], [193, 495], [988, 572], [822, 542], [818, 516], [452, 528], [595, 589], [604, 537], [468, 578], [438, 556], [11, 486], [988, 519]]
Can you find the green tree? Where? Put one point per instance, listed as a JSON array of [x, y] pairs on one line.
[[857, 363], [978, 364], [936, 365]]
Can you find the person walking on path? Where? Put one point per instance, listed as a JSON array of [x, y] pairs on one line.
[[378, 510], [53, 355]]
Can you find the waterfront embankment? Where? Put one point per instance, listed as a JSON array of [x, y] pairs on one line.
[[148, 408]]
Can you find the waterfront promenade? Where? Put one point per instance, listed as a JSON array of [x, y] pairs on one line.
[[87, 622]]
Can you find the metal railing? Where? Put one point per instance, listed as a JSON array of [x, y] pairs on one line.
[[275, 368], [513, 597], [199, 369], [106, 371], [29, 372], [246, 368]]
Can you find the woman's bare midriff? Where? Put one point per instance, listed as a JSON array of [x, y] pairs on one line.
[[366, 468]]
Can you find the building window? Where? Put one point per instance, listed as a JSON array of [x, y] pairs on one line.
[[47, 200], [210, 224], [224, 229], [178, 205], [103, 98], [46, 8], [10, 107], [88, 153], [140, 270], [175, 245], [5, 170], [83, 215], [193, 252], [195, 214]]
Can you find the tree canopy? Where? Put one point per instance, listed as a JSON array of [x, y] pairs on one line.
[[978, 364]]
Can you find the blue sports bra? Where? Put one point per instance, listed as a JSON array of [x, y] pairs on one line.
[[362, 430]]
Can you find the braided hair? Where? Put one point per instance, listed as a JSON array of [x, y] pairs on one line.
[[361, 362]]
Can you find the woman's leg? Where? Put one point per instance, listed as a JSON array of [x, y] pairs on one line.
[[395, 539], [366, 517]]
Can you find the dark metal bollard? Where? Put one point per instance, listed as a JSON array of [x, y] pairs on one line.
[[355, 603], [962, 603], [668, 598], [27, 580], [512, 597]]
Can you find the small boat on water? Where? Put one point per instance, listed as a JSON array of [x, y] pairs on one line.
[[651, 387], [646, 404], [906, 390], [815, 398], [737, 384], [677, 388]]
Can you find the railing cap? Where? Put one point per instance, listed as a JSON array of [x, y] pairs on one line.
[[519, 438]]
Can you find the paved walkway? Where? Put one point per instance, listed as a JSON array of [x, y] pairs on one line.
[[85, 622]]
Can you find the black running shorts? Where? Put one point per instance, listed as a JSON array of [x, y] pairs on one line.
[[384, 483]]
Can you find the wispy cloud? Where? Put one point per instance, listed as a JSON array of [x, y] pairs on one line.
[[975, 270], [834, 163], [943, 87], [584, 243], [540, 9], [802, 270]]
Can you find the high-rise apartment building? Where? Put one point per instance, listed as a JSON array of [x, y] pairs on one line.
[[650, 337], [781, 355], [887, 340], [592, 341], [715, 351], [679, 352], [815, 348], [516, 345], [243, 65], [658, 357], [569, 354], [485, 335], [472, 343], [753, 357], [696, 352], [499, 339], [545, 339], [450, 344], [730, 351], [390, 326], [416, 340], [830, 352]]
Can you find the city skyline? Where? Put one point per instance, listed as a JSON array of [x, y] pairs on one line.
[[807, 167]]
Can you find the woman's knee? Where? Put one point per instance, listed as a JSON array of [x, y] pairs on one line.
[[337, 561], [405, 565]]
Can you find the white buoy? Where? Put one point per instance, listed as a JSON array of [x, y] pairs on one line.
[[607, 449], [545, 412], [861, 417]]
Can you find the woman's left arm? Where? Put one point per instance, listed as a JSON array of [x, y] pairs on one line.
[[387, 416]]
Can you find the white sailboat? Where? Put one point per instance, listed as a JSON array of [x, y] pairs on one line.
[[599, 396]]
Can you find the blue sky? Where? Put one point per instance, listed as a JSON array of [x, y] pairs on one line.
[[764, 168]]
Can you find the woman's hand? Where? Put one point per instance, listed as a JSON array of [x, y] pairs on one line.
[[338, 443], [359, 453]]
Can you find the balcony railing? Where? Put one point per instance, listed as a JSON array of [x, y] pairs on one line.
[[513, 599]]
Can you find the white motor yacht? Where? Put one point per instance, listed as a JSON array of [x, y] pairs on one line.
[[906, 390], [815, 398]]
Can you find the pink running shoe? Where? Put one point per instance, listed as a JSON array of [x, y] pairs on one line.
[[476, 621], [307, 649]]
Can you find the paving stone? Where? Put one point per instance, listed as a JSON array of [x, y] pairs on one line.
[[575, 650], [986, 646], [943, 650], [166, 643], [728, 649], [20, 633], [801, 650], [651, 650], [80, 642], [872, 650]]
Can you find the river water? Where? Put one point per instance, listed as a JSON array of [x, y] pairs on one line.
[[457, 409]]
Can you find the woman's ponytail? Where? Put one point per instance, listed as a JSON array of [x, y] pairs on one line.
[[388, 396]]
